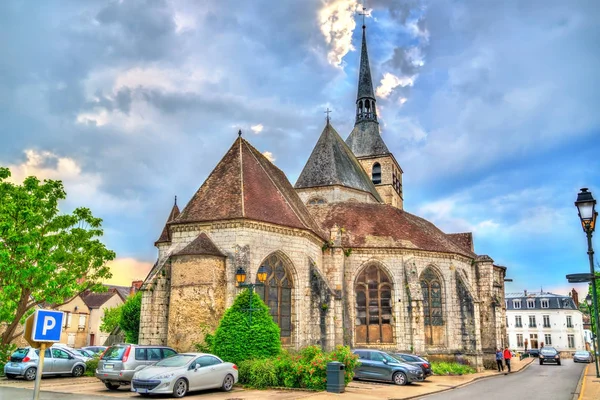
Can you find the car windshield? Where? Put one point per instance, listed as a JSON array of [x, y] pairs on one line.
[[114, 353], [549, 351], [80, 352], [20, 353], [390, 358], [175, 361], [581, 353]]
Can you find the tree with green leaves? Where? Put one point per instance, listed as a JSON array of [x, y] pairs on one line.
[[591, 311], [240, 337], [130, 317], [46, 257], [111, 318]]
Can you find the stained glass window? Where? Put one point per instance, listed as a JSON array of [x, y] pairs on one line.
[[432, 298], [277, 295], [373, 290]]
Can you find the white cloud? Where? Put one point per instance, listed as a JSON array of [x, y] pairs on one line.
[[257, 128], [390, 81], [126, 270], [336, 18], [269, 156], [83, 188]]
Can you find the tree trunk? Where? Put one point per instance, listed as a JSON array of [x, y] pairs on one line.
[[8, 336]]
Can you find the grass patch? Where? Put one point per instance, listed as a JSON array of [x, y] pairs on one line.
[[451, 368]]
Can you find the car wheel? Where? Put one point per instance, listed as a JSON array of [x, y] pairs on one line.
[[228, 383], [30, 373], [180, 388], [10, 376], [399, 378], [541, 362], [77, 371], [111, 386], [558, 363]]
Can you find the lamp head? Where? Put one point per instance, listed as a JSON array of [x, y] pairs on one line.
[[262, 274], [586, 207], [588, 300], [240, 275]]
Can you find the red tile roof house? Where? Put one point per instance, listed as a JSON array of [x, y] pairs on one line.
[[346, 263]]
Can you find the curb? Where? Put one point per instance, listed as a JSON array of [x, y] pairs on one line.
[[479, 378], [581, 384]]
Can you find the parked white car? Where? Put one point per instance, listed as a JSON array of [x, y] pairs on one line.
[[185, 372]]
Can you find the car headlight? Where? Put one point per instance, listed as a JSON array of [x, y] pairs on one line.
[[164, 376]]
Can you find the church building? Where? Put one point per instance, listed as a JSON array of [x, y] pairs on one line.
[[345, 263]]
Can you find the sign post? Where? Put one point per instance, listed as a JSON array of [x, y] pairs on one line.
[[43, 328]]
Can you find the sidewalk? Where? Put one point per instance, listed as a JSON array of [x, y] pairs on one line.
[[366, 391], [590, 387]]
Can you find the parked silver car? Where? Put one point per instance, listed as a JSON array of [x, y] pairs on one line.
[[185, 372], [57, 361], [583, 356], [118, 363]]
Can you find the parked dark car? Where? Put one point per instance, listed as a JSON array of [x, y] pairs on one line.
[[549, 355], [533, 352], [415, 360], [381, 366], [583, 356]]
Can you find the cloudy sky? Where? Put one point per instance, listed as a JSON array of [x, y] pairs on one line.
[[490, 107]]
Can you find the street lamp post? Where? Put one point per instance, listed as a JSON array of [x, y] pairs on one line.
[[588, 301], [240, 278], [586, 206]]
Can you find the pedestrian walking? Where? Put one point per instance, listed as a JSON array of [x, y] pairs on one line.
[[507, 357], [499, 358]]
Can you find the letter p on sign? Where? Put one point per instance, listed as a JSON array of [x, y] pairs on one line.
[[49, 323]]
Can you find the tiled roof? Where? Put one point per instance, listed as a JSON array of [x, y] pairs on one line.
[[122, 291], [202, 245], [333, 163], [365, 140], [244, 184], [96, 300], [384, 226], [165, 235], [555, 301], [464, 240]]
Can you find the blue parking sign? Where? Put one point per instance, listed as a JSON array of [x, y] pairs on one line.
[[47, 325]]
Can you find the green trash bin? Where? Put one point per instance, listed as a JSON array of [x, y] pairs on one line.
[[335, 377]]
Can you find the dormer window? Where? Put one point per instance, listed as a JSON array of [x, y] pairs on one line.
[[376, 174], [517, 304], [545, 303], [530, 303]]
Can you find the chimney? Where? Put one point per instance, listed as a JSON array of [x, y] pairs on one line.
[[575, 297], [135, 286], [525, 292]]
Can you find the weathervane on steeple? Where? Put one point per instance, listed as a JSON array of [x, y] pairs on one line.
[[240, 133], [363, 15], [175, 200], [327, 111]]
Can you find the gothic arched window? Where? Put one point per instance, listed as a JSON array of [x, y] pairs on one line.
[[376, 173], [373, 290], [277, 295], [431, 286]]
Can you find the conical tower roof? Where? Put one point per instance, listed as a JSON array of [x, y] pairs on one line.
[[333, 163], [365, 139], [245, 185], [165, 236]]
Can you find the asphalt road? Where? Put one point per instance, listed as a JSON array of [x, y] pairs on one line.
[[536, 382], [11, 393]]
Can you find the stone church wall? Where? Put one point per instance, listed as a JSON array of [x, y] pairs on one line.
[[197, 299], [155, 308], [334, 194]]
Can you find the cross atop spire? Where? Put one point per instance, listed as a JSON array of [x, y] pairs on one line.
[[363, 15], [327, 111]]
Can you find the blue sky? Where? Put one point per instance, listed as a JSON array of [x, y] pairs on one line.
[[491, 109]]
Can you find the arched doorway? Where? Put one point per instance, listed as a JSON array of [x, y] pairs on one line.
[[433, 314], [277, 295], [373, 323]]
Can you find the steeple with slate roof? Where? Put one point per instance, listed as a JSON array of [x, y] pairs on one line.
[[245, 185], [333, 163], [365, 140], [165, 236]]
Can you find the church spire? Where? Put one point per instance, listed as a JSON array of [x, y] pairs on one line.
[[365, 99]]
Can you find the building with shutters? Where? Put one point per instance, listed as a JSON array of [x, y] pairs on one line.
[[346, 263], [535, 319]]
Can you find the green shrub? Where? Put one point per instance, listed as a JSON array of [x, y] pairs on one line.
[[91, 365], [451, 368], [5, 353], [130, 317], [206, 346], [306, 369], [236, 339]]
